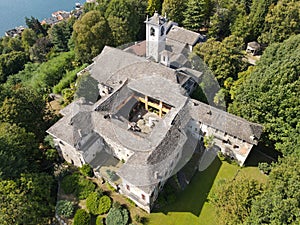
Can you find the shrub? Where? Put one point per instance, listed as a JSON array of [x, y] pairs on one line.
[[82, 217], [86, 170], [117, 216], [264, 167], [51, 154], [92, 203], [84, 188], [99, 220], [69, 183], [117, 205], [104, 204], [65, 208]]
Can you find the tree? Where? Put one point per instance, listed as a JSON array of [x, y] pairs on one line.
[[223, 58], [18, 151], [65, 208], [124, 19], [26, 109], [258, 12], [174, 10], [280, 201], [23, 201], [282, 21], [233, 199], [35, 25], [11, 63], [29, 37], [82, 217], [39, 51], [269, 95], [91, 33], [117, 216], [195, 15], [153, 5]]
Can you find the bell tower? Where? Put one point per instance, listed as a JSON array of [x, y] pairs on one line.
[[155, 36]]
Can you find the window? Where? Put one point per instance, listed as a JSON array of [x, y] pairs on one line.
[[127, 187], [162, 31], [143, 197], [152, 31]]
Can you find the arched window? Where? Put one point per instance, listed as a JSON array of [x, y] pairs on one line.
[[152, 31]]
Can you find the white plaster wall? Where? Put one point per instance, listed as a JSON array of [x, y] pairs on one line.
[[154, 44], [119, 151], [70, 153], [90, 154]]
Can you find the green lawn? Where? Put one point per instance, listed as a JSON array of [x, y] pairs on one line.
[[192, 206]]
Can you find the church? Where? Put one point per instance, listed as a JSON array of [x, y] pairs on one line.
[[142, 127]]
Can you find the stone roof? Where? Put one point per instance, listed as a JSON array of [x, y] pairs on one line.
[[111, 60], [156, 19], [182, 35], [226, 122]]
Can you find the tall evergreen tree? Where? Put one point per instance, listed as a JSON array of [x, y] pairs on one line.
[[174, 10], [195, 14], [153, 5]]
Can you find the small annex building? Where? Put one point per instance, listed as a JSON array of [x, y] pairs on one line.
[[142, 126]]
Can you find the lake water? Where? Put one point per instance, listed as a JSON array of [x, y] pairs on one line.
[[13, 12]]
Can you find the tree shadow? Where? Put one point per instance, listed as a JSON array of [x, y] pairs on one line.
[[195, 195], [261, 153]]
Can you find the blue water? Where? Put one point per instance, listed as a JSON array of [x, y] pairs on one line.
[[13, 12]]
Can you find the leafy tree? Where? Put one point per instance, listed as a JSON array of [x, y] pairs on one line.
[[15, 44], [18, 151], [195, 15], [223, 58], [92, 203], [99, 220], [104, 204], [153, 5], [124, 20], [174, 10], [84, 188], [65, 208], [258, 12], [282, 21], [280, 202], [269, 95], [29, 37], [69, 183], [117, 216], [11, 63], [86, 170], [233, 199], [23, 201], [26, 109], [91, 33], [35, 25], [60, 34], [82, 217], [39, 51]]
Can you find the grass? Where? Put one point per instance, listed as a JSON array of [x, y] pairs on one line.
[[192, 205]]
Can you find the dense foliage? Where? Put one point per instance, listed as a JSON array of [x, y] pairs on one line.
[[270, 94], [64, 208], [82, 218], [117, 216]]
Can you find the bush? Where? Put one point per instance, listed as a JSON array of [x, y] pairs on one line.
[[104, 204], [82, 217], [264, 167], [99, 220], [84, 188], [51, 155], [92, 203], [86, 170], [69, 183], [117, 216], [65, 208]]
